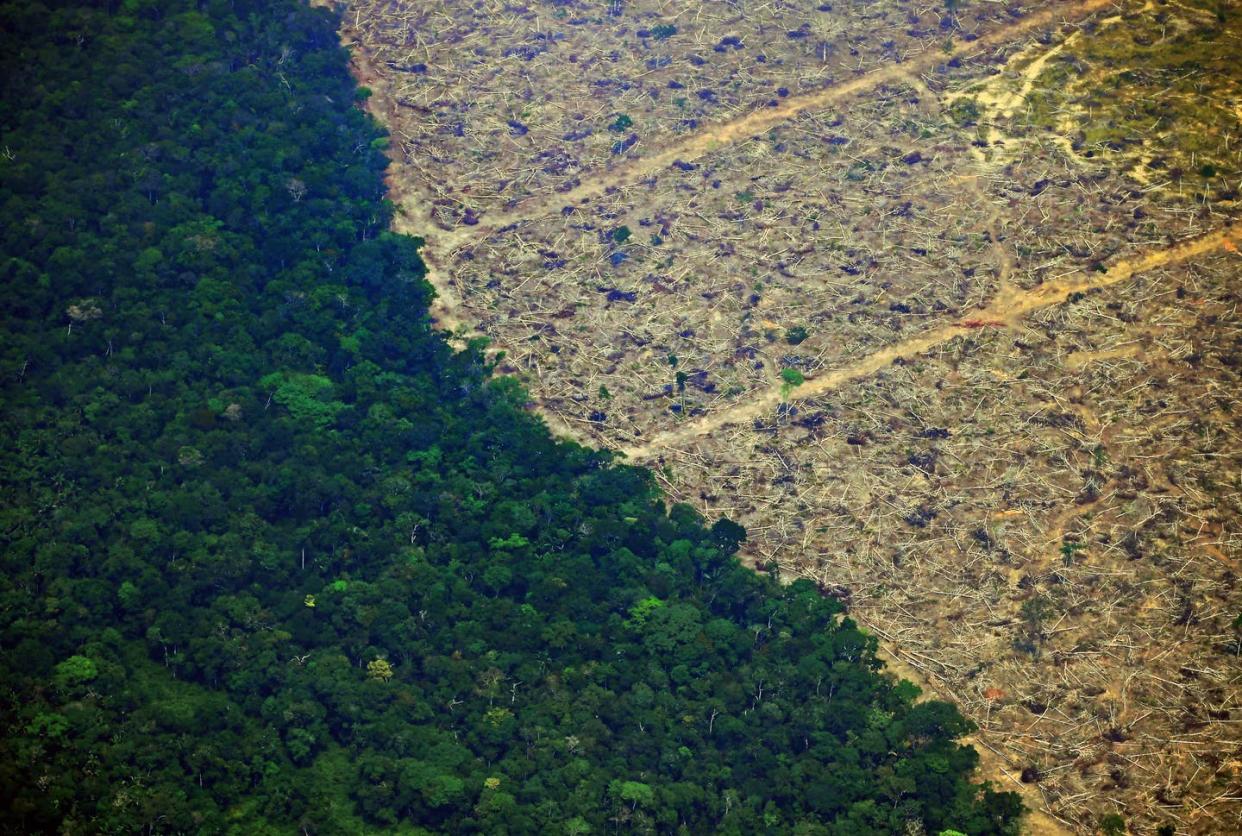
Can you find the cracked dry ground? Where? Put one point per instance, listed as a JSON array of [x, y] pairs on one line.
[[1017, 442]]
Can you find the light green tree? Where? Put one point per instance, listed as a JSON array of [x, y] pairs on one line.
[[308, 397], [74, 671], [636, 793], [379, 670], [790, 380]]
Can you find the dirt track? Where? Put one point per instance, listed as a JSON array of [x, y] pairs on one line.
[[1005, 311]]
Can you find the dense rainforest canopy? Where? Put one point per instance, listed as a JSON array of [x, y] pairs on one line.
[[278, 560]]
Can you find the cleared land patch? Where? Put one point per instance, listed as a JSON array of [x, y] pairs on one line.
[[498, 102], [820, 240], [1043, 519], [1156, 95], [947, 324]]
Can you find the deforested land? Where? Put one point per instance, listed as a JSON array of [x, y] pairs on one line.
[[939, 301]]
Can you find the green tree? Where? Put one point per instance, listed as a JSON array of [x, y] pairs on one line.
[[790, 380], [74, 671]]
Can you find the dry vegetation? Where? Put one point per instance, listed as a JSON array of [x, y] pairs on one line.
[[496, 101], [1044, 520], [997, 250], [831, 224], [1155, 94]]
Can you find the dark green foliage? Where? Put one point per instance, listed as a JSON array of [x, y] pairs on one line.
[[796, 335], [276, 560], [1112, 825], [965, 112]]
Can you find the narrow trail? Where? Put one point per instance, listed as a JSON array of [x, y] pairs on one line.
[[758, 121], [1005, 310], [1005, 264]]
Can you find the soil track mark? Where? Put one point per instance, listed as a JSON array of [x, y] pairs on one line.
[[1005, 265], [1004, 311]]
